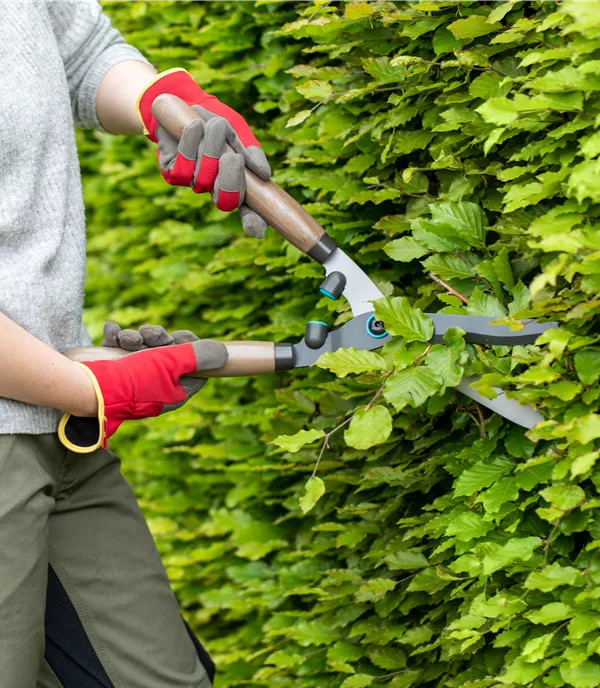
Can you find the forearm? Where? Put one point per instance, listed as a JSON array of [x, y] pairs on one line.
[[117, 96], [32, 372]]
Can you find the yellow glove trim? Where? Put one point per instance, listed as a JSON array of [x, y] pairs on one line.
[[62, 436], [158, 77]]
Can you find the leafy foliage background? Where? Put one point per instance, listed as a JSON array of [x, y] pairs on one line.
[[453, 138]]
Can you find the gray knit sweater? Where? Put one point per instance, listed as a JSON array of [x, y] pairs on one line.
[[53, 56]]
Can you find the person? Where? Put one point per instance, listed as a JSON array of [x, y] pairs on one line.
[[84, 598]]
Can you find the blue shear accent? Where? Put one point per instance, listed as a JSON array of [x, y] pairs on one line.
[[317, 322], [376, 336], [327, 294]]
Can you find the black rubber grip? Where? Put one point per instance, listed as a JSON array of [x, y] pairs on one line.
[[284, 357]]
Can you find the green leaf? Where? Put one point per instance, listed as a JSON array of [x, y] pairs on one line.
[[389, 658], [503, 270], [587, 365], [382, 71], [449, 267], [357, 681], [550, 613], [467, 526], [528, 478], [444, 41], [551, 577], [472, 27], [369, 427], [521, 673], [499, 12], [535, 649], [502, 556], [315, 489], [412, 386], [405, 249], [358, 10], [498, 111], [428, 580], [401, 319], [517, 444], [294, 443], [345, 361], [344, 652], [481, 303], [488, 86], [481, 475], [298, 118], [284, 659], [466, 219], [313, 632], [505, 490], [587, 428], [375, 589], [563, 497], [582, 624], [584, 463], [444, 361], [405, 560], [314, 90], [584, 675]]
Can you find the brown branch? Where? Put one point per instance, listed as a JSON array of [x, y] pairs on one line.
[[482, 429], [448, 288]]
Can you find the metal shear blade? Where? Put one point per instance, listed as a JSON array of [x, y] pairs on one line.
[[477, 328]]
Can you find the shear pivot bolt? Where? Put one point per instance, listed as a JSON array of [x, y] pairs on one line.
[[333, 285], [316, 334], [376, 328]]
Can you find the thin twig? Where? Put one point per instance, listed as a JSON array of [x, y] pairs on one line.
[[378, 393], [319, 9], [325, 444], [448, 288], [548, 541], [482, 429], [418, 359]]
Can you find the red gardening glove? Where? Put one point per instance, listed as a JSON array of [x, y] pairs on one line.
[[199, 159], [141, 385]]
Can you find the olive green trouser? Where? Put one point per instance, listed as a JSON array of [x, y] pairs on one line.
[[74, 516]]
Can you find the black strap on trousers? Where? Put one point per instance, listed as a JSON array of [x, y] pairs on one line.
[[69, 651]]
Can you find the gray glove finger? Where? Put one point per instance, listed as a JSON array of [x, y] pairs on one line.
[[191, 386], [183, 337], [252, 222], [210, 354], [257, 161], [208, 155], [155, 335], [254, 156], [130, 340], [111, 332], [215, 137], [230, 185], [188, 146]]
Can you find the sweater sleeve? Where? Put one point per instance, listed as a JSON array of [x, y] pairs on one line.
[[89, 47]]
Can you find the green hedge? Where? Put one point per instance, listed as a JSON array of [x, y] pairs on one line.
[[457, 139]]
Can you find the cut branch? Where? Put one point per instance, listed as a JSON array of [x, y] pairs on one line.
[[448, 288]]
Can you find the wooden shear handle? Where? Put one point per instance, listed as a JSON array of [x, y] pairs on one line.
[[245, 358]]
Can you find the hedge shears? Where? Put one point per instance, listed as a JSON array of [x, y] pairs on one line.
[[343, 278]]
